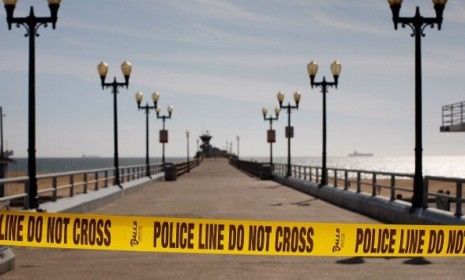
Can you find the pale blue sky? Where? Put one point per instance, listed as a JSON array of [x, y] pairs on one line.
[[219, 62]]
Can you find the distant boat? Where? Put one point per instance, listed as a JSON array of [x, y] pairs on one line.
[[357, 154], [90, 156]]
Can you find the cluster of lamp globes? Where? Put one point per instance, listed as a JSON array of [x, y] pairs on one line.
[[126, 69], [155, 96], [312, 69], [439, 6], [10, 6]]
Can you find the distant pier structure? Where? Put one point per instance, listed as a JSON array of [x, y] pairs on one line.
[[207, 150], [453, 117]]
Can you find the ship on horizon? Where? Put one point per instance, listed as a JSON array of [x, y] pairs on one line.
[[357, 154], [89, 156]]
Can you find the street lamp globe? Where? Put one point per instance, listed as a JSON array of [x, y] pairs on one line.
[[439, 6], [264, 111], [139, 97], [126, 69], [102, 69], [9, 7], [395, 8], [170, 109], [297, 97], [54, 5], [158, 110], [280, 97], [155, 97], [336, 68], [312, 69], [277, 111]]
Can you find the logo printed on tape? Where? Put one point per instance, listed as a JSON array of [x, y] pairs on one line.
[[136, 234], [339, 244]]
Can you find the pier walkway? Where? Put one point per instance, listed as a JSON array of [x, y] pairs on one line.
[[217, 190]]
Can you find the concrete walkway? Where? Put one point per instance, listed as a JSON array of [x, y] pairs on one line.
[[217, 190]]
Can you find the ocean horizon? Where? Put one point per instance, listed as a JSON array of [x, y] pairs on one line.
[[447, 166]]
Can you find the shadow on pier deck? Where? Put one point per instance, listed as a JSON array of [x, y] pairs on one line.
[[217, 190]]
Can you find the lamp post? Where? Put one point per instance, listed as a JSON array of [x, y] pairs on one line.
[[238, 139], [271, 133], [164, 132], [336, 71], [2, 155], [187, 142], [139, 97], [418, 24], [289, 128], [126, 69], [32, 23]]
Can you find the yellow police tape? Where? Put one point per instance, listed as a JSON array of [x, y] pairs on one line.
[[239, 237]]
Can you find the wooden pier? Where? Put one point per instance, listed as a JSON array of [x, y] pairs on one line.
[[216, 189]]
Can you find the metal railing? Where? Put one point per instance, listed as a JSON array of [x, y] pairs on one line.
[[66, 184], [444, 193], [185, 166], [453, 114], [258, 169]]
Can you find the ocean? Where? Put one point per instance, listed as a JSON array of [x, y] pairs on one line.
[[447, 166], [53, 165]]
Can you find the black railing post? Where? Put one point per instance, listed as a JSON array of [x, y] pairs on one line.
[[54, 186], [335, 177], [373, 184], [393, 190], [85, 182], [458, 199], [71, 188], [346, 180], [96, 181]]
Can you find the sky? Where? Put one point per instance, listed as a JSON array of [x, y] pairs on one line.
[[218, 62]]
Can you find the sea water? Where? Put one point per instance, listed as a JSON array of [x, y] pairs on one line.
[[447, 166]]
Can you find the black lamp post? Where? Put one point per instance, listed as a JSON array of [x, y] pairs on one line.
[[187, 142], [126, 69], [238, 139], [2, 155], [418, 24], [271, 133], [289, 128], [164, 132], [312, 70], [139, 97], [32, 23]]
